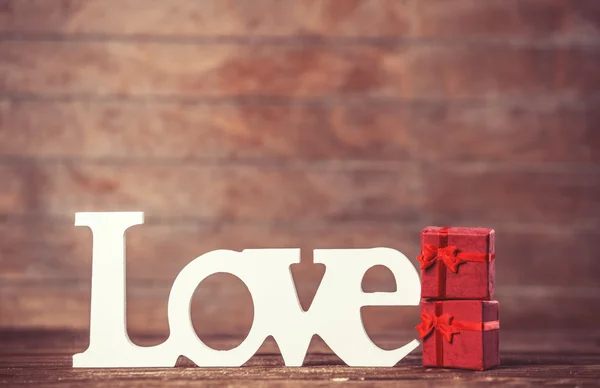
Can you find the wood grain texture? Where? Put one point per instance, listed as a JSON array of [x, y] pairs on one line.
[[525, 133], [317, 192], [227, 192], [212, 18], [213, 70], [544, 132], [289, 19], [43, 357], [490, 72], [578, 20], [469, 193], [175, 130], [101, 68]]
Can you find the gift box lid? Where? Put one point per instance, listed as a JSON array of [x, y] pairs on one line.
[[459, 230], [481, 239]]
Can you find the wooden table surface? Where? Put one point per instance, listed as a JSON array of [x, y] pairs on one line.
[[43, 358]]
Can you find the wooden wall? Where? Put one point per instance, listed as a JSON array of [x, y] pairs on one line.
[[262, 123]]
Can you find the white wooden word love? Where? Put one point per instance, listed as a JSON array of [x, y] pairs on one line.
[[334, 314]]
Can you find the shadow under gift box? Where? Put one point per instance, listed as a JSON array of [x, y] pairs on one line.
[[457, 263], [460, 334]]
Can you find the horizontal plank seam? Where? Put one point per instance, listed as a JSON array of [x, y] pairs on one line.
[[325, 165], [590, 41], [524, 103]]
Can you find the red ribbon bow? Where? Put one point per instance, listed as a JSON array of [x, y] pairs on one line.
[[443, 324], [449, 255]]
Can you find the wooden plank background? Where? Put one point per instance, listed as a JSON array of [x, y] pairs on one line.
[[276, 123]]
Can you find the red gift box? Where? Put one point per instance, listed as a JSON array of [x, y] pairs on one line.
[[457, 263], [460, 334]]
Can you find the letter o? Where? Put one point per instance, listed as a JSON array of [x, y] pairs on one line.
[[183, 335]]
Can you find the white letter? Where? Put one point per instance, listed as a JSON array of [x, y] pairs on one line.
[[109, 343], [337, 305], [263, 271], [334, 314]]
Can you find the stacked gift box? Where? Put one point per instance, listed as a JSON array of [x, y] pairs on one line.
[[459, 316]]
